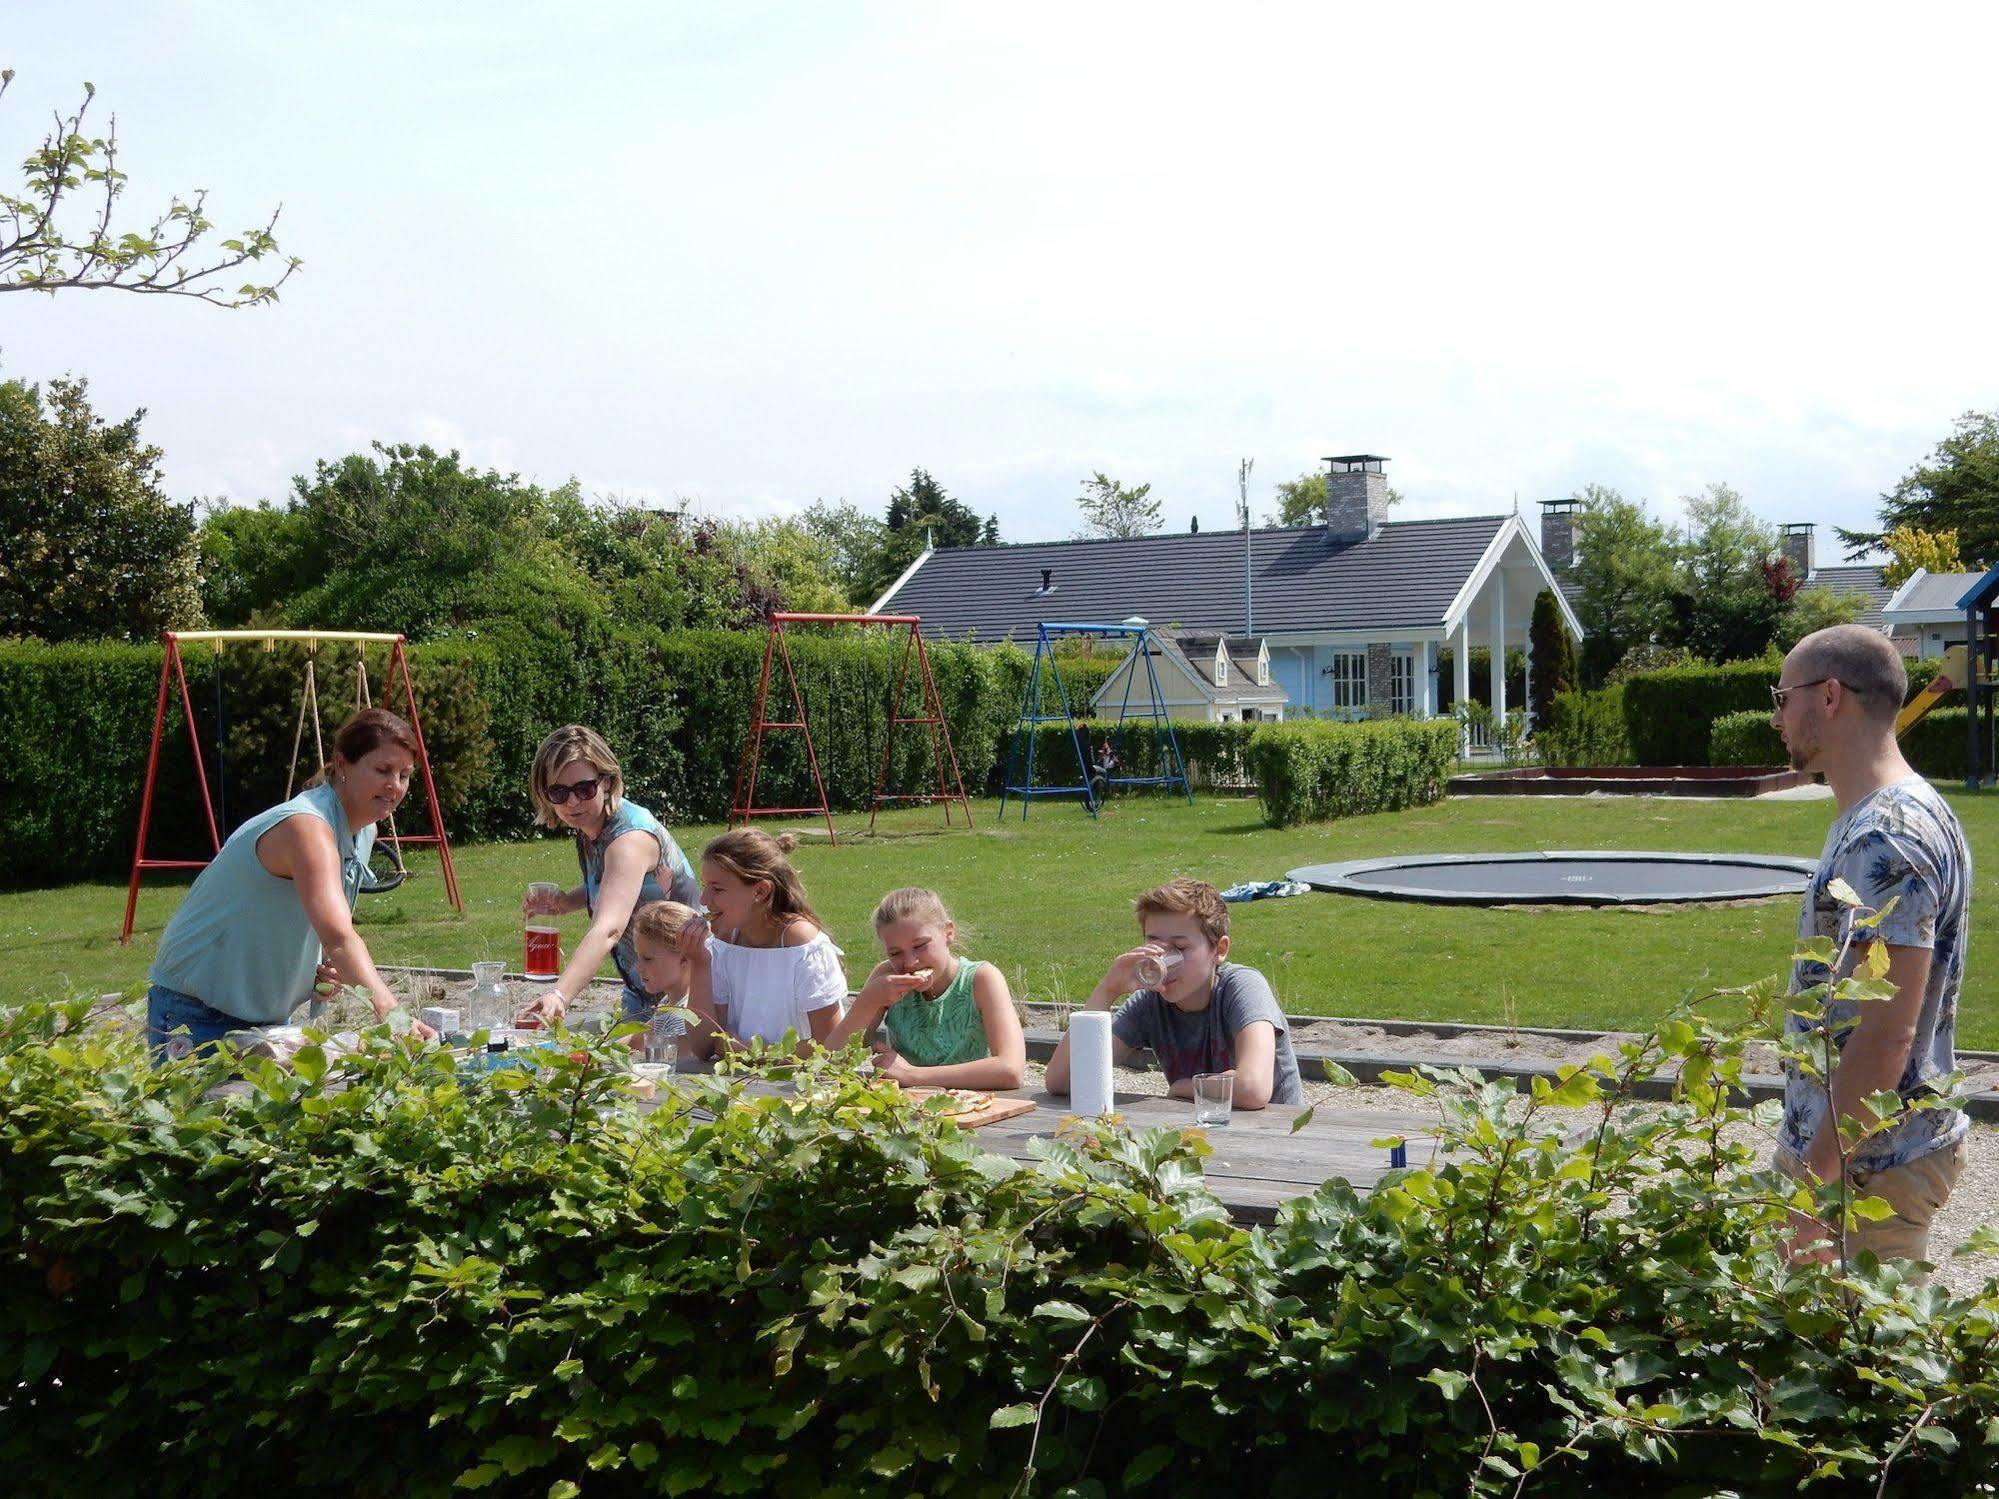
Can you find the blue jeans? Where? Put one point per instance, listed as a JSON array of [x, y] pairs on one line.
[[178, 1024]]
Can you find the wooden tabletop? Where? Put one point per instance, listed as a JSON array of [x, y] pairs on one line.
[[1258, 1163]]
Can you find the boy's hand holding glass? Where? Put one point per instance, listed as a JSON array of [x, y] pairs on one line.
[[1141, 968]]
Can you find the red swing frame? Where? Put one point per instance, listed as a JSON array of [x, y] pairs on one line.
[[174, 674], [743, 799]]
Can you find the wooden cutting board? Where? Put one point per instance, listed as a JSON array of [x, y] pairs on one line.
[[990, 1113]]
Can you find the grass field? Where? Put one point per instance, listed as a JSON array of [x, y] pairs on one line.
[[1051, 900]]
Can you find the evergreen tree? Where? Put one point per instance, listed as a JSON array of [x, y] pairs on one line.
[[1553, 652], [1955, 489]]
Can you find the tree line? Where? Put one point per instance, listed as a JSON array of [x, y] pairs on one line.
[[404, 538]]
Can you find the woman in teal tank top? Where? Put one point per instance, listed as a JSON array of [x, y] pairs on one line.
[[627, 858], [274, 910], [947, 1021]]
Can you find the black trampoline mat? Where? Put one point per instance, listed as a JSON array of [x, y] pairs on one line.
[[1564, 878]]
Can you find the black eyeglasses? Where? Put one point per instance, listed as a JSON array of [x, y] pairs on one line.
[[1778, 694], [581, 790]]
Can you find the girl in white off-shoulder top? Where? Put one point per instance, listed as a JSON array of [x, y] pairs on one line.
[[771, 971]]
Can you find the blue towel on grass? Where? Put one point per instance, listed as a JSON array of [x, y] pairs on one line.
[[1266, 890]]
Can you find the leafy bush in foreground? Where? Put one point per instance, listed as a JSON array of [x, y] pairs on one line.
[[419, 1283]]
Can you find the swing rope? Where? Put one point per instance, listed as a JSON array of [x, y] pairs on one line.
[[363, 698], [310, 696]]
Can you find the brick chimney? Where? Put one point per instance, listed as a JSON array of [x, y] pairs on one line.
[[1797, 548], [1558, 533], [1356, 498]]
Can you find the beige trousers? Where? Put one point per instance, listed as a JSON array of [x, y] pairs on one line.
[[1916, 1192]]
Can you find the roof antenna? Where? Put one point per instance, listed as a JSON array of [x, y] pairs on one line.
[[1242, 508]]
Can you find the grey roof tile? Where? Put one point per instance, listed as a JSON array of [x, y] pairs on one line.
[[1406, 576], [1863, 579]]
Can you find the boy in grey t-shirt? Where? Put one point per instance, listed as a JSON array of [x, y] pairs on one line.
[[1208, 1015]]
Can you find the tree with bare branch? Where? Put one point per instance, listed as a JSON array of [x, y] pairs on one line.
[[71, 168]]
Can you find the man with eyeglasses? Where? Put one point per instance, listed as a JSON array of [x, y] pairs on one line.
[[1894, 840]]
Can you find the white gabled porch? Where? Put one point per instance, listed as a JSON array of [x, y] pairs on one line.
[[1374, 673]]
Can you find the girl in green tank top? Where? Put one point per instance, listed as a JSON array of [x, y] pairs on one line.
[[947, 1021]]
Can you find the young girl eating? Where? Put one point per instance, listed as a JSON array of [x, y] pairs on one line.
[[948, 1022], [770, 969]]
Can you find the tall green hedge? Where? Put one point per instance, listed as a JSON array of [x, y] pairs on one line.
[[75, 722], [1317, 769], [1668, 714], [1585, 728], [1934, 745]]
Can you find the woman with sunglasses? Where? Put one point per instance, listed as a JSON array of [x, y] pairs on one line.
[[627, 857]]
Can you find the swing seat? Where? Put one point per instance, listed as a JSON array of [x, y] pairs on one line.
[[385, 871]]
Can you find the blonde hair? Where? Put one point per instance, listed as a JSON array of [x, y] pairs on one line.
[[912, 903], [661, 921], [567, 745], [1187, 897], [751, 854]]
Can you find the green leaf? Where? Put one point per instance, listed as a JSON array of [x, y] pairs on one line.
[[643, 1455], [891, 1460], [1302, 1120], [1012, 1415], [1842, 892], [1983, 1239], [1450, 1381], [1061, 1311], [477, 1478], [1147, 1466]]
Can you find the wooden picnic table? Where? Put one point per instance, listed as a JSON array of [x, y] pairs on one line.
[[1258, 1163]]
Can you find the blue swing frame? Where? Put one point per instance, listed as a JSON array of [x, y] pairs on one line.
[[1031, 716]]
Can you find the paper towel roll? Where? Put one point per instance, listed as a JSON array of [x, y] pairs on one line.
[[1090, 1063]]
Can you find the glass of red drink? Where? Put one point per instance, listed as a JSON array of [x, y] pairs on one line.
[[541, 938]]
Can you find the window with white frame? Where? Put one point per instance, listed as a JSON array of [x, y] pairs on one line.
[[1221, 667], [1349, 681], [1263, 666], [1401, 683]]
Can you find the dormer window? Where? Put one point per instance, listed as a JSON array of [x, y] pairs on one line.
[[1221, 667], [1263, 665]]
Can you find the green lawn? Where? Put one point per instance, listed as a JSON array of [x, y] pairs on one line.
[[1051, 902]]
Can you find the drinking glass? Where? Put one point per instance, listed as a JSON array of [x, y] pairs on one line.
[[1214, 1097], [1154, 968], [486, 978], [662, 1039], [542, 939]]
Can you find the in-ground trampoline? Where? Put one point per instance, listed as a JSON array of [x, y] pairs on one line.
[[1583, 878]]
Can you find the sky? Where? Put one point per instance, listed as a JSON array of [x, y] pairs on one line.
[[754, 255]]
